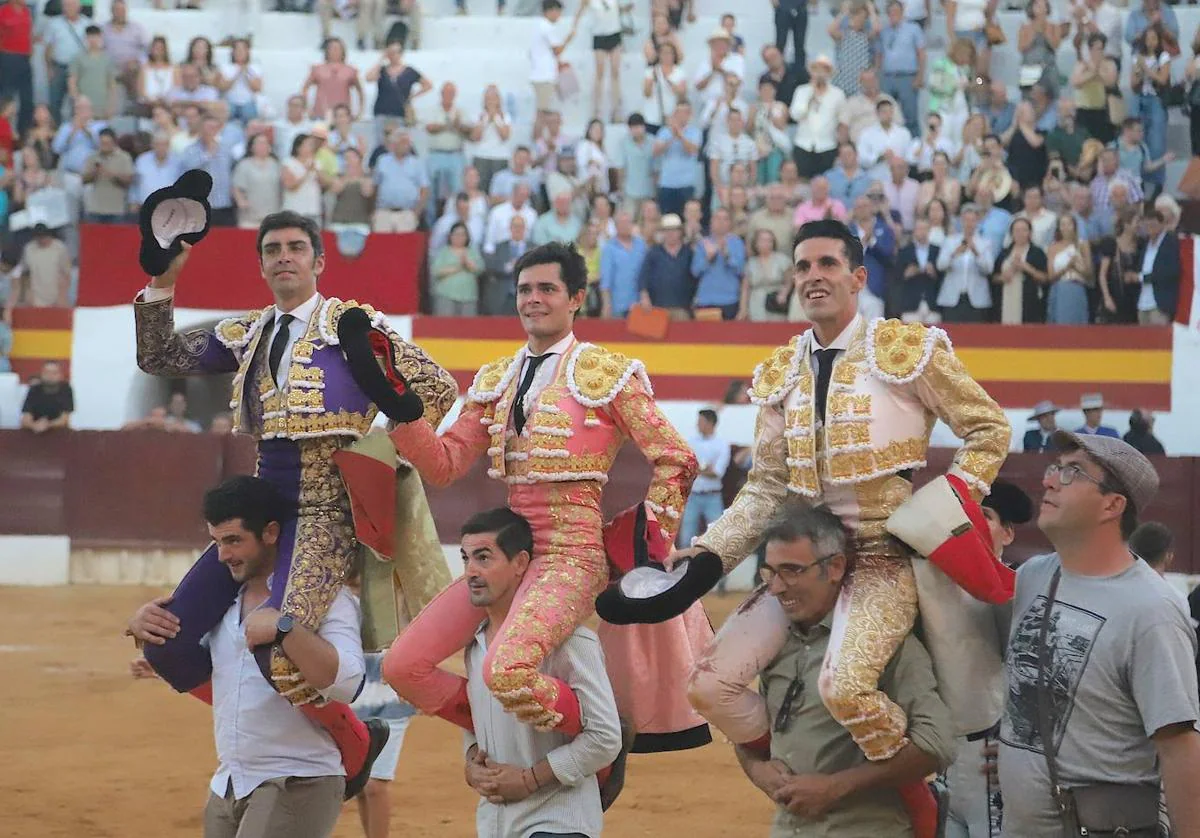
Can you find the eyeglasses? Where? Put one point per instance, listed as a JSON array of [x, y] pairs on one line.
[[1067, 474], [783, 719], [790, 573]]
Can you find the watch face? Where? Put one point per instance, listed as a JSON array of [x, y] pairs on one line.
[[285, 624]]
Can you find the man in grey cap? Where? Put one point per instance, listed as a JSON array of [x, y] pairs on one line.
[[1109, 683], [1038, 440]]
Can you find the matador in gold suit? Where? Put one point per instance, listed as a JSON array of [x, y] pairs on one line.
[[888, 385]]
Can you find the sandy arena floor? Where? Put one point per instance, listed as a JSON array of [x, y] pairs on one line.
[[85, 752]]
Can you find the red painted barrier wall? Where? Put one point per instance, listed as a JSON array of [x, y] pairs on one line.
[[142, 489], [223, 275]]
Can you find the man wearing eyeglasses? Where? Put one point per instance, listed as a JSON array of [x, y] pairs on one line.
[[815, 773], [1108, 684]]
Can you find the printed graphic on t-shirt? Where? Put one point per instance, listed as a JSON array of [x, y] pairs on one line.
[[1070, 639]]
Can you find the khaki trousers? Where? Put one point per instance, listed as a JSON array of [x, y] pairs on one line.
[[1154, 317], [286, 807]]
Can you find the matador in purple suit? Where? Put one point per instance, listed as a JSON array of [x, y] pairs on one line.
[[311, 374]]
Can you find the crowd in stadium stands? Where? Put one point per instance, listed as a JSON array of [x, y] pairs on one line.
[[976, 204]]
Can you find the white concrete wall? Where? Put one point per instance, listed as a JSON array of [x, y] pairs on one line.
[[35, 560]]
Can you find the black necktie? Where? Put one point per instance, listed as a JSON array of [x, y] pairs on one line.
[[535, 361], [824, 373], [278, 344]]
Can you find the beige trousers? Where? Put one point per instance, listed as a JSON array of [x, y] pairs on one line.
[[286, 807]]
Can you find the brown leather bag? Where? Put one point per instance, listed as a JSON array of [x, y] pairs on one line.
[[1101, 810]]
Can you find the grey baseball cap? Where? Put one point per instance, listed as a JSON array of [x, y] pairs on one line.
[[1138, 477]]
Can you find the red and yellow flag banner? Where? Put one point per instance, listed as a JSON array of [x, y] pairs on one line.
[[41, 335], [1018, 365]]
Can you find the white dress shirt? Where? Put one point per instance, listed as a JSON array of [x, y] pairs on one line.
[[711, 452], [296, 329], [966, 273], [499, 220], [573, 807], [877, 139], [545, 371], [259, 735], [1146, 299], [816, 126]]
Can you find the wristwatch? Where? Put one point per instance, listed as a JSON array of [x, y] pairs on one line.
[[282, 626]]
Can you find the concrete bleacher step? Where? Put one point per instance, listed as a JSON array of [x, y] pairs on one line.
[[482, 48]]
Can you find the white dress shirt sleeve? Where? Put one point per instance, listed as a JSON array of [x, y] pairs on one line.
[[342, 629], [599, 743], [722, 462]]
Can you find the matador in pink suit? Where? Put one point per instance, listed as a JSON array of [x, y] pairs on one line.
[[845, 414], [551, 419]]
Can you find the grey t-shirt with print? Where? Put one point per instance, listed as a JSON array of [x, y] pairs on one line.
[[1123, 666]]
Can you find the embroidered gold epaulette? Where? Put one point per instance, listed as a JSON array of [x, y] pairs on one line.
[[898, 352], [331, 312], [775, 377], [492, 380], [236, 332], [595, 375]]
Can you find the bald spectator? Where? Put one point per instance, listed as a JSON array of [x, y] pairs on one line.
[[559, 224], [775, 217], [819, 205], [190, 89], [501, 216], [294, 123], [1141, 433], [49, 403], [901, 191], [154, 170], [402, 187]]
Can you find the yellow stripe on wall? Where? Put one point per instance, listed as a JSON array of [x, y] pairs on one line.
[[1141, 366], [41, 343]]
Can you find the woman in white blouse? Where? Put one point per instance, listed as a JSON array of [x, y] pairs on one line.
[[591, 162], [302, 181], [664, 86], [492, 136], [157, 76]]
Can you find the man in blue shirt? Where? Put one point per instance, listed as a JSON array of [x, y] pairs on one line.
[[718, 261], [213, 156], [635, 164], [621, 269], [1092, 405], [666, 280], [999, 112], [1151, 12], [847, 182], [902, 62], [403, 183], [78, 139], [993, 221], [677, 148], [154, 170], [879, 254]]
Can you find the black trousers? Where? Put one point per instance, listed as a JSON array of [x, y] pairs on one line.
[[792, 20], [16, 82]]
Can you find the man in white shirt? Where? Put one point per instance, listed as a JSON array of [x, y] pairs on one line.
[[501, 216], [966, 260], [544, 53], [531, 783], [735, 146], [706, 503], [883, 142], [815, 108], [709, 79], [277, 773]]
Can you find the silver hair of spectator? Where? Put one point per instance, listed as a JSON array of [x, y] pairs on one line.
[[818, 524]]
